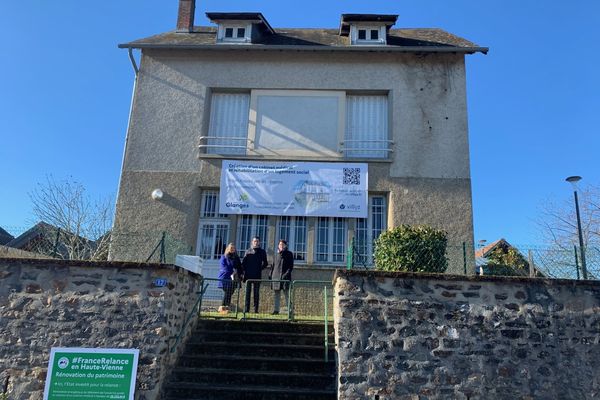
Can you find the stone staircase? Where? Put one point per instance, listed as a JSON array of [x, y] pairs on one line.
[[264, 360]]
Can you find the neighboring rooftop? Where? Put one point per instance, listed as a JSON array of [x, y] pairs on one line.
[[5, 237], [408, 40]]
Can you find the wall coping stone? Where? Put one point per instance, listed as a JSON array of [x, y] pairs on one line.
[[343, 273], [53, 262]]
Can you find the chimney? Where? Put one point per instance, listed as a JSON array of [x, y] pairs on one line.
[[185, 16]]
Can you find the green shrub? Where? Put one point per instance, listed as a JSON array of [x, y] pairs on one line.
[[505, 260], [411, 248]]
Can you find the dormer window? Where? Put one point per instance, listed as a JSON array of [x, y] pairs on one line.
[[366, 29], [240, 28], [373, 34], [368, 35], [234, 33]]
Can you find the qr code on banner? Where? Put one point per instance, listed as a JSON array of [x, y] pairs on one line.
[[351, 176]]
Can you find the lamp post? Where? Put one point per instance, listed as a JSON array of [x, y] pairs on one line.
[[573, 181]]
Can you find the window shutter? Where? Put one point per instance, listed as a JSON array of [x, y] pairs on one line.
[[228, 123], [366, 127]]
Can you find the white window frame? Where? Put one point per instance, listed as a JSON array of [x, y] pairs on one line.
[[232, 127], [332, 249], [216, 242], [209, 205], [371, 141], [210, 218], [255, 225], [381, 29], [236, 26], [296, 236], [228, 124], [371, 227]]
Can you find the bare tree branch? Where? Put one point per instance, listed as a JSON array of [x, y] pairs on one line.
[[78, 227]]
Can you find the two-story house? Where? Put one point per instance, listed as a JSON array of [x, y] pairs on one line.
[[219, 112]]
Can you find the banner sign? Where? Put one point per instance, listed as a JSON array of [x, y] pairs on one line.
[[98, 374], [294, 188]]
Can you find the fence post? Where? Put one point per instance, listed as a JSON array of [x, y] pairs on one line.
[[531, 266], [465, 257], [162, 248], [576, 261], [291, 301], [55, 250], [350, 255], [326, 322]]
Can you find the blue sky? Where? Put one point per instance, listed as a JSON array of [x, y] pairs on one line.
[[534, 100]]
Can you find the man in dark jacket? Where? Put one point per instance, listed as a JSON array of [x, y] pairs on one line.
[[282, 271], [255, 260]]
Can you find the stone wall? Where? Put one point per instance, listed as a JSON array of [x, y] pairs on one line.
[[10, 252], [421, 336], [53, 303]]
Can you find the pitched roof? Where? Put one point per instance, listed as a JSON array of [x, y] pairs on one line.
[[5, 237], [485, 250], [405, 40], [35, 231]]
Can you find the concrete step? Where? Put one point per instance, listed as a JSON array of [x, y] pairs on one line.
[[258, 363], [262, 326], [264, 360], [315, 339], [258, 349], [197, 391], [226, 377]]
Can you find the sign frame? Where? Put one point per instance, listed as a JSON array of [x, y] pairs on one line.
[[294, 188], [93, 352]]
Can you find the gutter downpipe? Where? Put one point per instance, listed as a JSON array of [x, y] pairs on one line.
[[133, 63], [136, 70]]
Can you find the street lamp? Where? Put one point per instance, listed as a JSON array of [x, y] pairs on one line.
[[573, 181]]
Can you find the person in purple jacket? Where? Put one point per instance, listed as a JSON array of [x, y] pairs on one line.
[[230, 272]]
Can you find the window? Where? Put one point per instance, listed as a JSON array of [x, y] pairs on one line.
[[370, 35], [332, 234], [369, 229], [213, 232], [228, 128], [210, 205], [212, 239], [248, 227], [366, 127], [293, 230], [298, 123], [235, 34]]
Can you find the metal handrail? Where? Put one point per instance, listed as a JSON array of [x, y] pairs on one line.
[[228, 146], [248, 281], [343, 148], [359, 149], [197, 305], [367, 141], [225, 137]]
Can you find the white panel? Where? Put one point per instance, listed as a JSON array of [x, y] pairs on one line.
[[297, 122], [366, 127], [228, 123]]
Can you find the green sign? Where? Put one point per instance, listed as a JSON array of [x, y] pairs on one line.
[[98, 374]]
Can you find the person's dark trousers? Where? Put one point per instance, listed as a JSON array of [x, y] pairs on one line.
[[227, 293], [255, 288]]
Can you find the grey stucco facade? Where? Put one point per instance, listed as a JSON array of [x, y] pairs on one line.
[[426, 178]]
